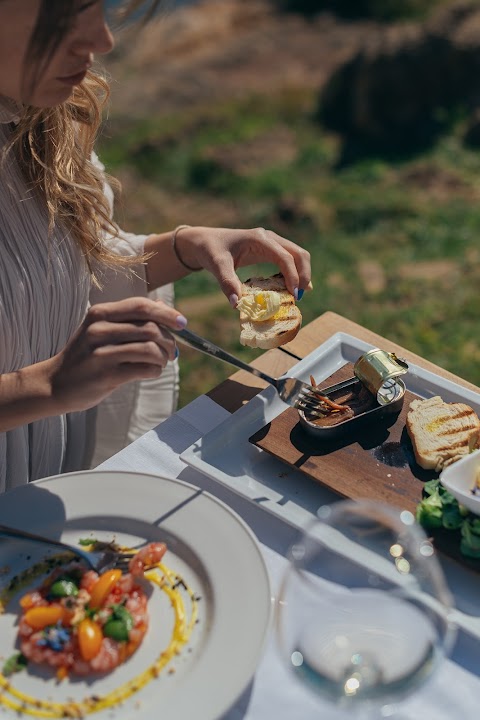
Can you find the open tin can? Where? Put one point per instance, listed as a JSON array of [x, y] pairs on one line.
[[375, 394]]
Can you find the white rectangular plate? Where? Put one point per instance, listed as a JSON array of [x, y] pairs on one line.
[[226, 455]]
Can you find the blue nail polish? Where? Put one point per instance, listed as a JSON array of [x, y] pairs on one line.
[[300, 294], [177, 352], [181, 322]]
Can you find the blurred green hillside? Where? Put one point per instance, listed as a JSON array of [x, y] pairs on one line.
[[395, 241]]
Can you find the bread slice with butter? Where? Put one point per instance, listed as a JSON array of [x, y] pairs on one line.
[[269, 316], [441, 432]]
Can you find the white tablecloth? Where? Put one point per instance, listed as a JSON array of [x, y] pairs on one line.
[[453, 693]]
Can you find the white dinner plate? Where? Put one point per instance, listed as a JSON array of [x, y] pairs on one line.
[[208, 545]]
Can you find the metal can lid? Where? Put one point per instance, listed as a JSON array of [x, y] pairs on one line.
[[376, 369]]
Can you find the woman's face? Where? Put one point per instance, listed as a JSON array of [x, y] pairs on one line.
[[89, 35]]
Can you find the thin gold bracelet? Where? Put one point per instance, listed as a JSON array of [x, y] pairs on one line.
[[175, 249]]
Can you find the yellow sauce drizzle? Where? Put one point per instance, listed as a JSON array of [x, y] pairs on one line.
[[168, 581]]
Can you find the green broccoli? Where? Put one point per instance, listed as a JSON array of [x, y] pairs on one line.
[[470, 533], [430, 511]]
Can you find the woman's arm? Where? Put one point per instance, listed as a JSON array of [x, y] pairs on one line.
[[164, 266], [117, 342], [26, 395], [221, 251]]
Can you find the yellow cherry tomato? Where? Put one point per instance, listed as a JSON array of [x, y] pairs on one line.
[[40, 617], [89, 638], [27, 601], [103, 587]]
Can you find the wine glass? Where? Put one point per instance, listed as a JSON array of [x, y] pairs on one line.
[[363, 612]]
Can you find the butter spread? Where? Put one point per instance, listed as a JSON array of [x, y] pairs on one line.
[[259, 306]]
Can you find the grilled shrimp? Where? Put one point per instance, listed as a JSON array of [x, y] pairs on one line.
[[149, 555], [108, 658]]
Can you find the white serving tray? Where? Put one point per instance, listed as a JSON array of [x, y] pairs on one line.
[[226, 455]]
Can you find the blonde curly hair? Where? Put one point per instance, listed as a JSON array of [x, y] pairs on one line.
[[54, 145]]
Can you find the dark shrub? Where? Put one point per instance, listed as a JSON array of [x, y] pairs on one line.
[[374, 9]]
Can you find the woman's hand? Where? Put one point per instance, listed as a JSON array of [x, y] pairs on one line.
[[116, 343], [222, 250]]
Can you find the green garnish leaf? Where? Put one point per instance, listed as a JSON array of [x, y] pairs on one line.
[[470, 532], [119, 624], [429, 512], [116, 629], [87, 541], [439, 510], [15, 663], [121, 613], [63, 587], [452, 518], [90, 613], [431, 487], [474, 523]]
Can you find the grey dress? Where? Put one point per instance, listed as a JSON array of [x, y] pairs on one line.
[[45, 291]]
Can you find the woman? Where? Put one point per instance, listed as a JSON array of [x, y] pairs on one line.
[[61, 355]]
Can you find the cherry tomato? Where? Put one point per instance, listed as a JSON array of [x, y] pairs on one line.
[[40, 617], [89, 638], [103, 587], [29, 600]]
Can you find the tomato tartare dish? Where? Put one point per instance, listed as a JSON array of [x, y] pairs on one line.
[[79, 622]]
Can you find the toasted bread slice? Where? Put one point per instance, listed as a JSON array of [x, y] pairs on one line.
[[273, 332], [278, 329], [441, 432]]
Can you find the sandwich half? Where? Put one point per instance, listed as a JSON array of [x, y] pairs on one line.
[[269, 316]]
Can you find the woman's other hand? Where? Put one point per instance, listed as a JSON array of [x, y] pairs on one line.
[[116, 343], [221, 251]]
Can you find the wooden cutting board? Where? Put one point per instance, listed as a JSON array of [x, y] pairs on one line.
[[377, 464]]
